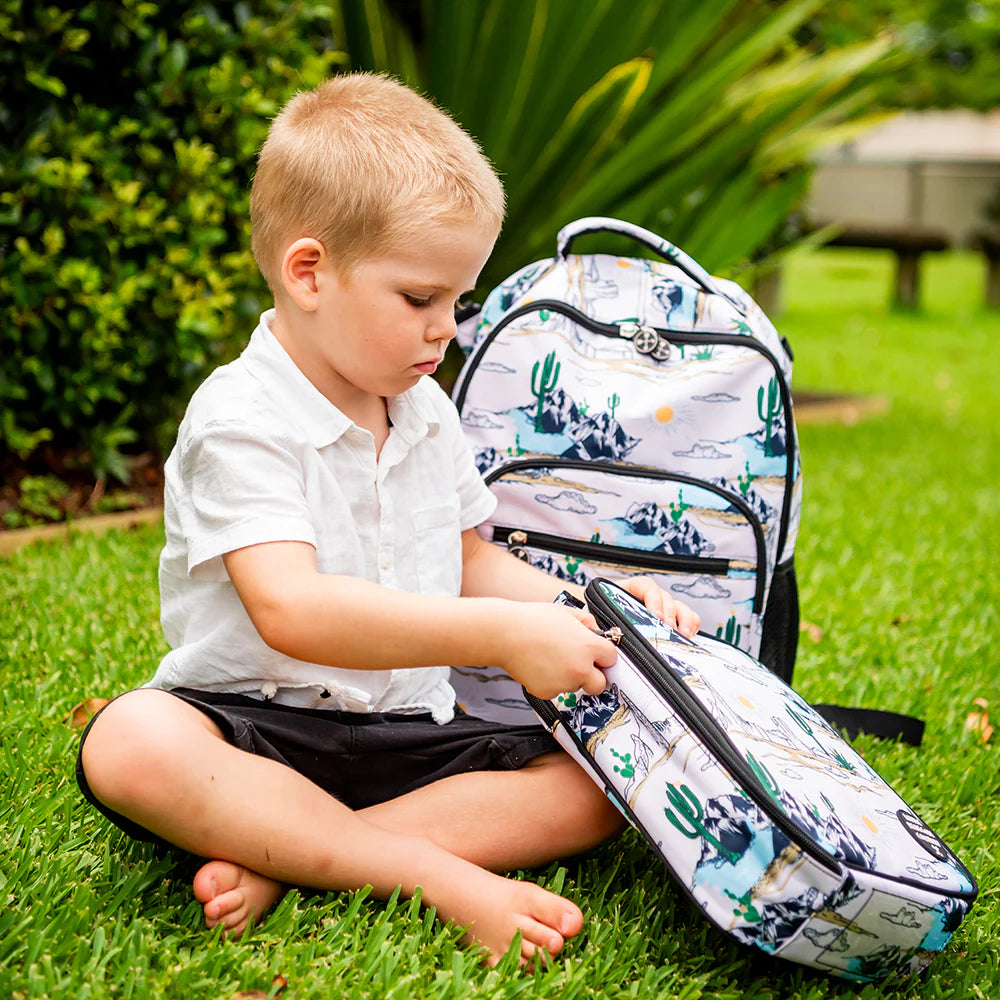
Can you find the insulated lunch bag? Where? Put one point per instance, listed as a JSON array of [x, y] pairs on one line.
[[777, 829], [635, 416]]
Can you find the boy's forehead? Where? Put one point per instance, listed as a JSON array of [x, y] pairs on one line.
[[441, 258]]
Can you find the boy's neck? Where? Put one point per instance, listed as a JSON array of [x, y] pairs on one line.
[[364, 409]]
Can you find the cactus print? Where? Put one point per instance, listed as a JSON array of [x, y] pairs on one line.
[[714, 408], [813, 857]]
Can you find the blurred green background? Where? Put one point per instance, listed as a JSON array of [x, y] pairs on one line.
[[129, 131]]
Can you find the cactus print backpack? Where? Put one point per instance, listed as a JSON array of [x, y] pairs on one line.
[[780, 833], [635, 416]]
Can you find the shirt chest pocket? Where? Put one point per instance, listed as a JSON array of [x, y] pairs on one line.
[[438, 545]]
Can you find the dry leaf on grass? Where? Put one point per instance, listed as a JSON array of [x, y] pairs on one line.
[[279, 981], [813, 631], [81, 714], [979, 721]]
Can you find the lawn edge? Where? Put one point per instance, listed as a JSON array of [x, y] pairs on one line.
[[12, 541]]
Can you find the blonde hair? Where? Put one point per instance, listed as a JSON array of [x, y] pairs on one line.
[[362, 163]]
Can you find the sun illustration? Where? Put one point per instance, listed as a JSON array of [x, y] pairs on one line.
[[664, 415]]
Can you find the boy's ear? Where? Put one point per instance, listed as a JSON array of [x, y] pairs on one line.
[[300, 267]]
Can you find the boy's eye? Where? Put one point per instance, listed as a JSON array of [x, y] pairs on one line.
[[416, 300]]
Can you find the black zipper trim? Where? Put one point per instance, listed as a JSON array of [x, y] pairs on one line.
[[617, 555], [702, 724], [647, 472], [674, 336], [647, 659]]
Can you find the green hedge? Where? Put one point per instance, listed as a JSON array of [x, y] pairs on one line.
[[128, 132]]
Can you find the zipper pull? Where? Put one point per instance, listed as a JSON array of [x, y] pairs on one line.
[[614, 634], [516, 541]]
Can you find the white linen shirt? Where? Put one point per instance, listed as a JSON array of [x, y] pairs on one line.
[[263, 456]]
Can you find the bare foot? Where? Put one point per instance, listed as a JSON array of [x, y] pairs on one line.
[[233, 895], [496, 908]]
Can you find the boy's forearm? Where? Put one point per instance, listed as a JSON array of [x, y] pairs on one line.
[[342, 621], [375, 628]]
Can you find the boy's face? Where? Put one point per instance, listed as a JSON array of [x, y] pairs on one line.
[[387, 322]]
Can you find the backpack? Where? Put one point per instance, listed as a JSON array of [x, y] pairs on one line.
[[779, 832], [631, 416]]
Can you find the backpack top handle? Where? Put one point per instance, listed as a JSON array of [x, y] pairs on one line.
[[661, 247]]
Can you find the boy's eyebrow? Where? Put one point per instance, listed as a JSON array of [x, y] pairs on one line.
[[431, 286]]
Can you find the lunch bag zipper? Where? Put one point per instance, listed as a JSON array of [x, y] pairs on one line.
[[704, 726], [613, 331], [710, 565]]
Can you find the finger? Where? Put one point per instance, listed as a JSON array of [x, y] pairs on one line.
[[655, 600], [688, 620], [595, 682], [605, 654], [583, 616]]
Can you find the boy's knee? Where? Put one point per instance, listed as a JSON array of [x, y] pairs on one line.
[[129, 742]]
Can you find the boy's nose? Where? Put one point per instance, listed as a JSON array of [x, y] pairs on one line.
[[443, 327]]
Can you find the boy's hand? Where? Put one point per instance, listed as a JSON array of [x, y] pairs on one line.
[[673, 613], [552, 648]]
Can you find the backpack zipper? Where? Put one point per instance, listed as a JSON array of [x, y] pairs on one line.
[[613, 330], [618, 555], [621, 469], [705, 728]]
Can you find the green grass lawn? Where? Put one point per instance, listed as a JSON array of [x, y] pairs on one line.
[[898, 557]]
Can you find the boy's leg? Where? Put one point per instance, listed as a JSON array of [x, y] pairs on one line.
[[164, 764], [504, 820]]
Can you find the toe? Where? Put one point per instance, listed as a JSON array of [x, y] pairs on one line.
[[536, 937], [558, 914], [216, 878]]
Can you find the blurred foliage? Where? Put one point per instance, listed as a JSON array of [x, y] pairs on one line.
[[950, 48], [695, 118], [128, 132]]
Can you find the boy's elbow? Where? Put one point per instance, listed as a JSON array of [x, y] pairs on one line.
[[276, 620]]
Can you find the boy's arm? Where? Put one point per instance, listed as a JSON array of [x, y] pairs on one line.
[[342, 621], [488, 570]]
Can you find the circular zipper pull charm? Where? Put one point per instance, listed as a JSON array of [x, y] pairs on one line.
[[646, 340]]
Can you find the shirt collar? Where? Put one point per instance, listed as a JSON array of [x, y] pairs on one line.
[[412, 413]]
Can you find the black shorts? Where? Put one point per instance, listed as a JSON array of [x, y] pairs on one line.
[[359, 759]]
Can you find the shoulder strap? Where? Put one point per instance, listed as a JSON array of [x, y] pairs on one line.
[[875, 722]]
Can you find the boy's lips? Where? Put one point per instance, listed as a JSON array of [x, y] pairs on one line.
[[428, 367]]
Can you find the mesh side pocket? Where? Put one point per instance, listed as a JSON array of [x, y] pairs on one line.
[[781, 623]]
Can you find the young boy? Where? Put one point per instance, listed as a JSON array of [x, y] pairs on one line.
[[321, 563]]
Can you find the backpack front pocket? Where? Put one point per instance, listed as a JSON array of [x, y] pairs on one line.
[[702, 543]]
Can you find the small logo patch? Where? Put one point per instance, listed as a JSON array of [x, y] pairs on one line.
[[923, 835]]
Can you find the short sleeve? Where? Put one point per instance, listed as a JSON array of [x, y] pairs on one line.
[[239, 486], [477, 501]]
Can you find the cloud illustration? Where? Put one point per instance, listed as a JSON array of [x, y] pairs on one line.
[[495, 366], [833, 940], [704, 587], [925, 870], [703, 451], [479, 418], [902, 917], [717, 397], [567, 500]]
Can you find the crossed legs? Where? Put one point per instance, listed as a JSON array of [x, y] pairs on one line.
[[163, 764]]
